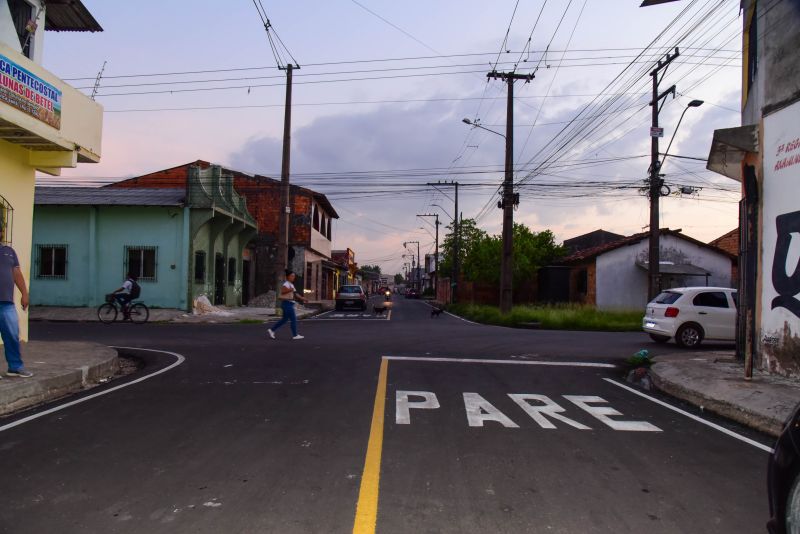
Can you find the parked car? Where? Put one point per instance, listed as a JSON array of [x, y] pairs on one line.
[[783, 479], [351, 297], [691, 315]]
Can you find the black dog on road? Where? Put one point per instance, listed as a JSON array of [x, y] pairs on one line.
[[435, 312], [379, 309]]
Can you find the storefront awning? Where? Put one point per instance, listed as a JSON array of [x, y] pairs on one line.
[[729, 148], [676, 270]]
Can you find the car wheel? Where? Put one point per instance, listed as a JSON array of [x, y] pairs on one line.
[[689, 336], [793, 508], [659, 339]]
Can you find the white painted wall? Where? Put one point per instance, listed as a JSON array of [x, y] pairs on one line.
[[780, 252], [621, 284]]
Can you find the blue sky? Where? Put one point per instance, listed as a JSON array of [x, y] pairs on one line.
[[333, 134]]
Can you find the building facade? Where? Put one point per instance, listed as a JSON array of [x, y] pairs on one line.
[[310, 228], [181, 243], [45, 124], [763, 154]]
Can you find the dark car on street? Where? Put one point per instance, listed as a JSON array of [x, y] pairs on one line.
[[411, 293], [351, 297], [783, 479]]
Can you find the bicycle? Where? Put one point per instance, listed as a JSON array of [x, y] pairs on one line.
[[135, 312]]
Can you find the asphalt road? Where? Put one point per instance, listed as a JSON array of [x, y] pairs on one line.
[[385, 425]]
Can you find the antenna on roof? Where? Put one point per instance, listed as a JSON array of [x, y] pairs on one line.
[[97, 80]]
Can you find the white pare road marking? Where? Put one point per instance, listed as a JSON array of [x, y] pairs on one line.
[[694, 417], [403, 405], [179, 360], [507, 362], [480, 410], [543, 412]]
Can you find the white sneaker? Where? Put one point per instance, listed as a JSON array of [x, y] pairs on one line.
[[298, 336], [271, 333]]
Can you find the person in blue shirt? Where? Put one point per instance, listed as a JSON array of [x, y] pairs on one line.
[[10, 276]]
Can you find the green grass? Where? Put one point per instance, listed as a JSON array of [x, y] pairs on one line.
[[553, 317]]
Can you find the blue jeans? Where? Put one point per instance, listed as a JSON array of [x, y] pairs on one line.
[[9, 330], [288, 315]]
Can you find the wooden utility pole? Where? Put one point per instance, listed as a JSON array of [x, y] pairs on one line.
[[457, 239], [654, 256], [509, 199], [436, 249], [286, 210]]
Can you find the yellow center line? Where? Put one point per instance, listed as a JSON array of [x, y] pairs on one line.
[[367, 507]]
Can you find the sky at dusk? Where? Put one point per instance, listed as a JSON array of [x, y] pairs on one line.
[[381, 94]]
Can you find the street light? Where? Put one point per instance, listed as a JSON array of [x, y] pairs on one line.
[[692, 104], [476, 124], [444, 210]]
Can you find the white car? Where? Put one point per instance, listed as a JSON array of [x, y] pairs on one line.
[[692, 314]]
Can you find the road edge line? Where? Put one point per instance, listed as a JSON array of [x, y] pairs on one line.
[[694, 417], [366, 518], [179, 360]]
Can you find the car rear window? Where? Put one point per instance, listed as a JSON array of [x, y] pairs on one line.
[[350, 289], [667, 297], [711, 299]]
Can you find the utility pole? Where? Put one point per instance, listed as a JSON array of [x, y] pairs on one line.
[[286, 210], [419, 278], [510, 200], [654, 259], [436, 250], [457, 239]]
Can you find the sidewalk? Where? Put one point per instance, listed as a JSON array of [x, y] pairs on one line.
[[224, 315], [715, 382], [58, 368]]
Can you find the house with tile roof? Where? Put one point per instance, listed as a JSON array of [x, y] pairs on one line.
[[181, 243], [614, 275]]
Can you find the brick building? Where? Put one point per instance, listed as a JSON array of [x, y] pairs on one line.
[[730, 244], [310, 228]]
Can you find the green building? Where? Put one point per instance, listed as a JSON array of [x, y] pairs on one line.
[[181, 243]]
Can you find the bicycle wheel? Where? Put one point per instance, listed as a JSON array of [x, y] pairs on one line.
[[107, 313], [139, 313]]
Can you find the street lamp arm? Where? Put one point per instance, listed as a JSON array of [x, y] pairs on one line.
[[692, 104], [475, 124]]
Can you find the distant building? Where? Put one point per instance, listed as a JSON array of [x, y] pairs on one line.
[[730, 244], [614, 275], [180, 242], [45, 124]]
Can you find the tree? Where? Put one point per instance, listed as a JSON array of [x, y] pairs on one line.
[[371, 268], [470, 235], [481, 254], [398, 279]]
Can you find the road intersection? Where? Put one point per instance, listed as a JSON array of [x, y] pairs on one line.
[[414, 424]]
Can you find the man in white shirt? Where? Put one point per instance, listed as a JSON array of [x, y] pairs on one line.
[[287, 296]]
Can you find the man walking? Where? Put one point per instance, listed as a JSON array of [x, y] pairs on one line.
[[11, 275], [286, 297]]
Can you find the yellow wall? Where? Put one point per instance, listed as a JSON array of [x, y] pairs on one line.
[[17, 184]]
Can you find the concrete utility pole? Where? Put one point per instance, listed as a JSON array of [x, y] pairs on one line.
[[286, 210], [654, 259], [510, 200], [436, 250], [457, 238]]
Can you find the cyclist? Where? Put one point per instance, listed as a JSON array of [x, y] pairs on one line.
[[130, 290]]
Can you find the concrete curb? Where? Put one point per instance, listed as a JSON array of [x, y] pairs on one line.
[[736, 412], [59, 369]]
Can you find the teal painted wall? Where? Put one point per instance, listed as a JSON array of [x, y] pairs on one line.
[[97, 266]]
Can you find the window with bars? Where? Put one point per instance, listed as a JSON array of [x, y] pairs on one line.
[[6, 221], [200, 267], [231, 271], [22, 13], [51, 261], [142, 262]]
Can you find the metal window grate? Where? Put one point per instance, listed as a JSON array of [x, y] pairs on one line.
[[51, 262], [200, 267], [6, 221], [141, 261]]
